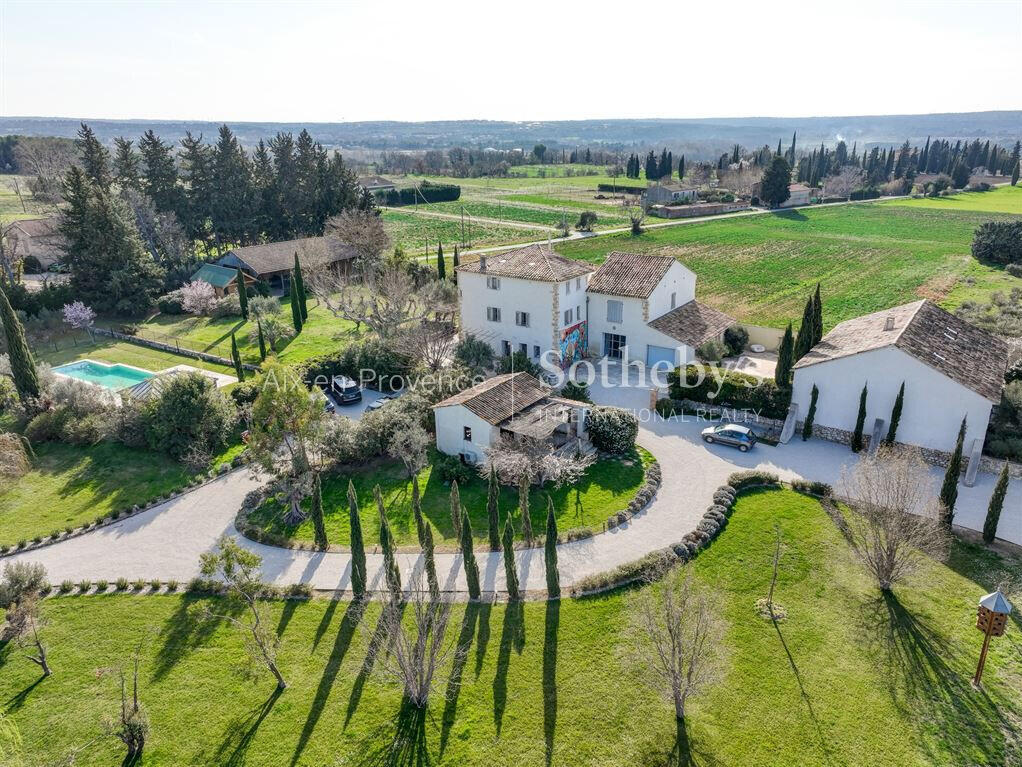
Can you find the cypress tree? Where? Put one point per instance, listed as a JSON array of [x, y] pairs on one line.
[[949, 490], [456, 263], [239, 369], [262, 340], [1014, 175], [23, 369], [553, 582], [425, 540], [807, 427], [242, 295], [804, 339], [468, 557], [317, 511], [510, 565], [390, 568], [296, 311], [785, 359], [359, 579], [899, 402], [681, 168], [455, 509], [441, 267], [860, 420], [303, 297], [817, 316], [493, 510], [523, 508], [996, 504]]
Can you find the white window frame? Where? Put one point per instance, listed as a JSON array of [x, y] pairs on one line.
[[619, 314], [493, 313], [493, 283], [522, 319]]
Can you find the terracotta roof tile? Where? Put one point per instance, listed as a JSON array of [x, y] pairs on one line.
[[630, 274], [497, 399], [693, 324]]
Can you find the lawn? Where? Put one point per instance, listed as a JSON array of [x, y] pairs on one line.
[[12, 208], [1002, 199], [322, 333], [71, 485], [68, 348], [605, 490], [760, 269], [848, 679]]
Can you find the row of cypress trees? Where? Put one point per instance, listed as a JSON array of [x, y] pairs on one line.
[[794, 347]]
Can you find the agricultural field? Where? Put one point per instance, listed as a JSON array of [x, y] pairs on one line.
[[849, 677], [12, 207], [760, 268], [419, 234], [1002, 199]]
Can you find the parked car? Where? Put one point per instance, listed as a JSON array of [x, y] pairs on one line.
[[343, 390], [732, 434], [380, 402]]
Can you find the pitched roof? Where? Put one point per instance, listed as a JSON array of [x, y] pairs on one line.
[[280, 256], [374, 182], [497, 399], [216, 275], [630, 274], [962, 352], [798, 188], [533, 262], [692, 323], [38, 227]]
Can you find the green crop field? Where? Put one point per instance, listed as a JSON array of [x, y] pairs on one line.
[[1002, 199], [849, 678], [419, 234], [760, 269]]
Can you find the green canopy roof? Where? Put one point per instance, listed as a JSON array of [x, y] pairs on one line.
[[217, 276]]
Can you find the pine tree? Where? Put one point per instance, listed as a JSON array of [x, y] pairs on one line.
[[996, 504], [23, 370], [523, 508], [510, 565], [303, 297], [807, 427], [425, 533], [239, 369], [296, 311], [860, 421], [441, 266], [553, 579], [774, 186], [317, 511], [95, 157], [899, 403], [949, 490], [468, 557], [389, 547], [455, 509], [359, 576], [493, 510], [127, 167], [455, 261], [243, 295], [804, 339], [817, 316], [785, 359], [262, 340]]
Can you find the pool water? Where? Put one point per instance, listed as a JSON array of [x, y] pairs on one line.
[[107, 376]]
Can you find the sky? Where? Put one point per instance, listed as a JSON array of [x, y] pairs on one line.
[[521, 60]]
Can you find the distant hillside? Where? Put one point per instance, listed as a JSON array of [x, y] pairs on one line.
[[702, 136]]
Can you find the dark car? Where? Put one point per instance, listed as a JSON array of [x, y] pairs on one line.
[[343, 390], [732, 434]]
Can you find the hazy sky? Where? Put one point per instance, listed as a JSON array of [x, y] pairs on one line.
[[389, 59]]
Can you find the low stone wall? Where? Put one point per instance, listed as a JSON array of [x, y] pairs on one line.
[[735, 415]]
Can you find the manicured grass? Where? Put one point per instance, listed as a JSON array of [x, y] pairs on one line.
[[62, 349], [1001, 199], [760, 269], [417, 234], [11, 207], [606, 489], [322, 333], [71, 485], [850, 678]]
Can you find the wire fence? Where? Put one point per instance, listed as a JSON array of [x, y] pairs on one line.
[[214, 353]]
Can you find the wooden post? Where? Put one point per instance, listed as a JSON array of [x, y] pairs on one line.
[[983, 653]]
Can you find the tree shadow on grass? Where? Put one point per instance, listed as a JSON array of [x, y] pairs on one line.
[[187, 629], [512, 635], [398, 743], [17, 700], [376, 642], [930, 680], [553, 620], [234, 748], [461, 649], [483, 635], [345, 633], [286, 614]]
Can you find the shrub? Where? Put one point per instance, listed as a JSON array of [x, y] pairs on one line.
[[171, 303], [576, 391], [48, 426], [612, 429], [735, 339], [138, 585], [451, 469], [172, 586], [473, 353], [190, 412], [809, 487], [650, 567], [101, 586], [66, 587], [154, 584], [998, 242], [665, 407], [752, 478], [519, 363], [84, 586], [1015, 270], [869, 193], [298, 591], [121, 584], [711, 351], [737, 390], [353, 358], [228, 306]]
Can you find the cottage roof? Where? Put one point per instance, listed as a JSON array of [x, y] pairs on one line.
[[630, 274], [967, 355], [693, 323], [375, 182], [533, 262], [280, 256], [497, 399], [216, 275]]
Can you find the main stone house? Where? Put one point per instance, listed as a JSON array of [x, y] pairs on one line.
[[633, 307]]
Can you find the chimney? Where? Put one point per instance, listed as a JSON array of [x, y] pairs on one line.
[[482, 263], [889, 322]]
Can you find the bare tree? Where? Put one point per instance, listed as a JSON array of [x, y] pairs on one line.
[[844, 183], [410, 444], [534, 460], [360, 231], [132, 727], [893, 520], [415, 650], [678, 638], [430, 342], [741, 180], [46, 160], [22, 627], [14, 184], [238, 569]]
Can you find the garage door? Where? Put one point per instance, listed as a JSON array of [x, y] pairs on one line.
[[655, 354]]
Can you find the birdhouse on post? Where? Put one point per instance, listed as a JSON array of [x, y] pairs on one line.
[[991, 619]]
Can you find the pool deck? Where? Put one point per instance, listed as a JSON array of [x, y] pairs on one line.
[[220, 379]]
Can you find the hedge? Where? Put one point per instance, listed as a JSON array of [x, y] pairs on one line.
[[352, 359], [425, 192], [620, 188], [737, 390]]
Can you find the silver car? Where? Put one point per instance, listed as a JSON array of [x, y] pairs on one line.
[[732, 434]]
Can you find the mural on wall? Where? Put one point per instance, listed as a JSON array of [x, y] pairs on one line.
[[574, 344]]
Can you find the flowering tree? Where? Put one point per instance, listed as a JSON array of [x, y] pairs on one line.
[[198, 297], [78, 315], [535, 461]]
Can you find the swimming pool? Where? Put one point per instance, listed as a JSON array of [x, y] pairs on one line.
[[108, 376]]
